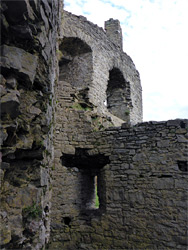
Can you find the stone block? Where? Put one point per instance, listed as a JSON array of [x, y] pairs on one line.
[[181, 184], [2, 80], [3, 136], [163, 183], [11, 82], [3, 91], [24, 142], [25, 197], [10, 104], [18, 11], [182, 138], [69, 149], [139, 157], [19, 60], [35, 111], [5, 235], [163, 143], [175, 123], [44, 177]]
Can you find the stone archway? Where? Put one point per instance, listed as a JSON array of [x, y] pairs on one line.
[[75, 62], [118, 93]]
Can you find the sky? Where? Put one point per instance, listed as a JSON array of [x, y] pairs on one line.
[[155, 36]]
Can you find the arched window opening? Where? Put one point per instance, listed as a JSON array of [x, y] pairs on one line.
[[74, 46], [75, 62], [118, 94]]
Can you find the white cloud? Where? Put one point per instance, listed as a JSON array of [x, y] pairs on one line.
[[155, 37], [96, 11]]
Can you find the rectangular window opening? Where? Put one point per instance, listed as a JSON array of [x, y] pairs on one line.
[[90, 184]]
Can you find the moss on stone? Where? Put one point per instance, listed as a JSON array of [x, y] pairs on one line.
[[33, 211]]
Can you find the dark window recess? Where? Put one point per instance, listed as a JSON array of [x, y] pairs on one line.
[[182, 124], [118, 93], [46, 209], [165, 176], [75, 55], [64, 61], [74, 46], [67, 221], [91, 177], [183, 166]]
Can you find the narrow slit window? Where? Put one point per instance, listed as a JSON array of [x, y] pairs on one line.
[[97, 204]]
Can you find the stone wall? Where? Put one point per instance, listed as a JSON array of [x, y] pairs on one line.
[[72, 136], [28, 73], [61, 152], [142, 188], [114, 32], [147, 187], [106, 56], [138, 172]]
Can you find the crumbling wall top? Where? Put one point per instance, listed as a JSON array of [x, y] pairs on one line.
[[114, 32]]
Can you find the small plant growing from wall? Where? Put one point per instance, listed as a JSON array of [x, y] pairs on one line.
[[82, 106], [32, 211], [59, 54]]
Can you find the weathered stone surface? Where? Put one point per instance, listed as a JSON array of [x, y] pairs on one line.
[[25, 142], [141, 186], [3, 135], [20, 60], [114, 32], [21, 31], [5, 235], [35, 111], [26, 88], [11, 82], [139, 172], [117, 67], [18, 11], [3, 91], [2, 80], [182, 138], [10, 104]]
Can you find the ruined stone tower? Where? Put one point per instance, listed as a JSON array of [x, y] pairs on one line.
[[114, 32], [79, 168]]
